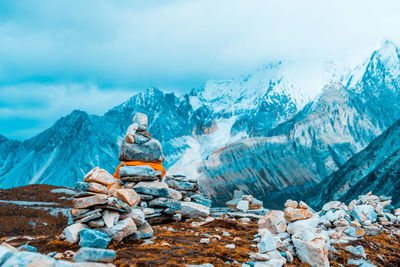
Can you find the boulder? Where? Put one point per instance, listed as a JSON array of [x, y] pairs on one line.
[[95, 254], [100, 176], [151, 151], [24, 258], [122, 229], [71, 232], [129, 196], [274, 221], [152, 188], [267, 242], [194, 210], [357, 250], [93, 238], [313, 252], [85, 202], [292, 214]]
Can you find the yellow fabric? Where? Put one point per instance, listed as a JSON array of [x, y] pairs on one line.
[[157, 166]]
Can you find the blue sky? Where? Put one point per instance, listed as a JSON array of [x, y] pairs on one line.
[[56, 56]]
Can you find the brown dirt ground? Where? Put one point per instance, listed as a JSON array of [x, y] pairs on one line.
[[184, 242]]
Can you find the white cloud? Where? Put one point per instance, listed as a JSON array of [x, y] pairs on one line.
[[62, 54]]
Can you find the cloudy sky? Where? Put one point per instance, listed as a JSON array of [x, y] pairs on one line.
[[56, 56]]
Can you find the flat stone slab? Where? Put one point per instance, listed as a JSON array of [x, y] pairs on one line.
[[95, 254], [152, 188]]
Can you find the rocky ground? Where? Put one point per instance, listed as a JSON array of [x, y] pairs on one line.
[[34, 215]]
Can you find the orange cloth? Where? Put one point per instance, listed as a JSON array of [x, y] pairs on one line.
[[157, 166]]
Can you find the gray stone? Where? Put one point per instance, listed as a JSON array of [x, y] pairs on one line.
[[152, 188], [267, 242], [89, 218], [145, 230], [137, 173], [95, 254], [151, 151], [201, 199], [122, 229], [119, 204], [357, 250], [361, 263], [194, 210], [181, 185], [93, 238], [144, 197], [166, 203], [24, 258]]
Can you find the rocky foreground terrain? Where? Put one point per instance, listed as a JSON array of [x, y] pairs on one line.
[[364, 233]]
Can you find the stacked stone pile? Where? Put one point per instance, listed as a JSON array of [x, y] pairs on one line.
[[173, 199], [103, 207], [107, 207], [245, 207], [300, 231]]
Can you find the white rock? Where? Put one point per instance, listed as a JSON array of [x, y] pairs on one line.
[[204, 240], [71, 232], [291, 203], [274, 221], [267, 242], [122, 229], [243, 205], [25, 258], [110, 218], [313, 252], [194, 210], [301, 225], [137, 215]]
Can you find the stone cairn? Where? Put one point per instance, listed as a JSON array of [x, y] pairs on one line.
[[300, 231], [108, 207]]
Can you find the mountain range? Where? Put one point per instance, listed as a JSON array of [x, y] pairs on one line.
[[274, 133]]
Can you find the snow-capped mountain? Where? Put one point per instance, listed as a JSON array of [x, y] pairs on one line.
[[276, 131]]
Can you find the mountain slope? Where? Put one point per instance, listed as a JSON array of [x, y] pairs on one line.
[[376, 169], [318, 140]]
